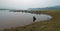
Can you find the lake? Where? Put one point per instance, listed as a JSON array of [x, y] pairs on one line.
[[16, 19]]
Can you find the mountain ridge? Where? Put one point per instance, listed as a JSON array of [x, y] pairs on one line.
[[46, 8]]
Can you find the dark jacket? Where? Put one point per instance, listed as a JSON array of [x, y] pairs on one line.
[[34, 18]]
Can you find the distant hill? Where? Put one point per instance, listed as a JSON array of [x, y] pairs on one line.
[[47, 8], [4, 9]]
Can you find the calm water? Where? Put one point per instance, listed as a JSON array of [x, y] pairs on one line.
[[15, 19]]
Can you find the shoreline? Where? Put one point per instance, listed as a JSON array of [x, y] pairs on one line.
[[42, 25]]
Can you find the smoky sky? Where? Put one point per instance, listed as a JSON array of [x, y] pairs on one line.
[[25, 4]]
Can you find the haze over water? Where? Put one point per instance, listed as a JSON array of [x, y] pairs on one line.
[[25, 4]]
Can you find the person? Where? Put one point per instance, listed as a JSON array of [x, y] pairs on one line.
[[34, 18]]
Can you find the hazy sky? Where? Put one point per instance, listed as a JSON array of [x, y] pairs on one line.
[[24, 4]]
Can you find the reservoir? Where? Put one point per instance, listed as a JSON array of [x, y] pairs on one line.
[[16, 19]]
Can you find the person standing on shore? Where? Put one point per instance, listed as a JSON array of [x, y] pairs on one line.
[[34, 18]]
